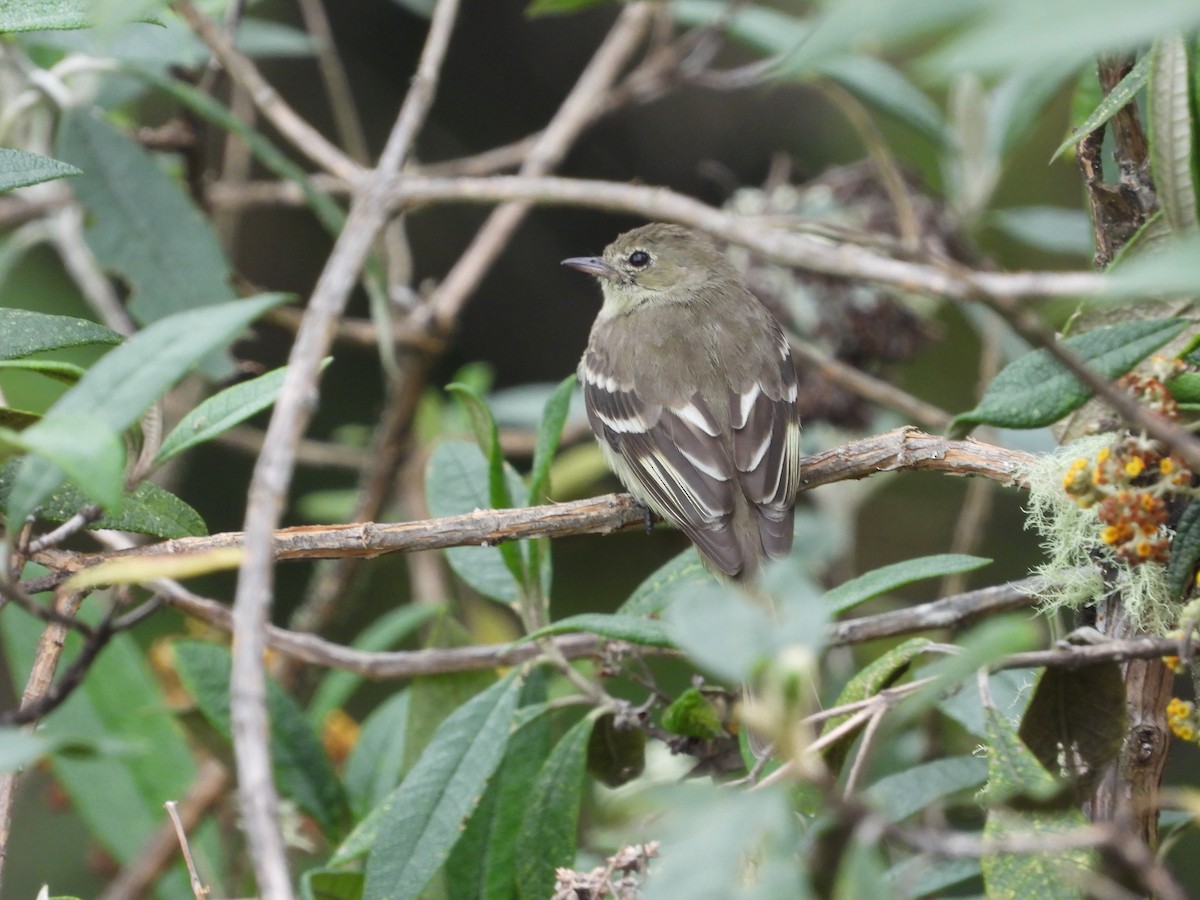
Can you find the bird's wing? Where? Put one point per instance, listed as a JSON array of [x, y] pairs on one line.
[[766, 445], [673, 457]]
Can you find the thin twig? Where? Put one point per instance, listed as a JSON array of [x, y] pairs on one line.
[[266, 99], [578, 110], [198, 888], [873, 389], [274, 467], [157, 854], [337, 85]]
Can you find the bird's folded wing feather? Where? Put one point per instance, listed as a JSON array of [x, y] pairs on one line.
[[766, 447], [675, 454]]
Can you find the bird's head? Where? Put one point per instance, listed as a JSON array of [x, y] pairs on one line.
[[655, 264]]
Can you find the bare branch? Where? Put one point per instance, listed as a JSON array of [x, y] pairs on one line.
[[266, 99], [769, 239], [274, 467], [901, 449]]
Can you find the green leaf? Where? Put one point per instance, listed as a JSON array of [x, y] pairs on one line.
[[878, 675], [634, 629], [1114, 101], [142, 225], [1172, 144], [1014, 772], [326, 210], [907, 793], [375, 765], [23, 333], [887, 578], [709, 833], [19, 749], [21, 169], [222, 411], [119, 699], [1010, 690], [500, 496], [548, 829], [548, 7], [66, 372], [44, 15], [302, 770], [1185, 388], [1185, 552], [456, 482], [926, 875], [97, 464], [1049, 228], [382, 634], [329, 884], [434, 697], [1077, 716], [728, 635], [412, 832], [776, 33], [875, 82], [126, 380], [1025, 34], [483, 863], [148, 510], [548, 437], [683, 574], [861, 870], [1034, 390], [979, 647]]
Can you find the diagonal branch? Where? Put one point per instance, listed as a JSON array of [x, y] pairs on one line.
[[273, 471]]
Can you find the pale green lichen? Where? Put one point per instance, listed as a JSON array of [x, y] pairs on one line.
[[1075, 553]]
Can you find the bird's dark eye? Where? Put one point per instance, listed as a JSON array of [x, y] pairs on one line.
[[639, 259]]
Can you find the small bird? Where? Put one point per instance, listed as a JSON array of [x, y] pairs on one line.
[[690, 390]]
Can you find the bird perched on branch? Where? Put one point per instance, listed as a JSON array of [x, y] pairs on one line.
[[691, 392]]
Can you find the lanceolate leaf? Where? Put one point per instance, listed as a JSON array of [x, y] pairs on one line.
[[1185, 551], [148, 510], [547, 838], [634, 629], [23, 333], [1034, 390], [1120, 96], [672, 579], [222, 411], [1014, 772], [548, 437], [870, 681], [1172, 142], [413, 831], [142, 224], [123, 384], [302, 769], [456, 482], [483, 865], [879, 581], [21, 169]]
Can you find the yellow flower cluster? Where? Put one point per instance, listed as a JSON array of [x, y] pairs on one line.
[[1131, 482], [1182, 719]]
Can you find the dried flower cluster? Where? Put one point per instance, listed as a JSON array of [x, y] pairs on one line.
[[1132, 481]]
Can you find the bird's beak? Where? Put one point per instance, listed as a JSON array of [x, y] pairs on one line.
[[592, 265]]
